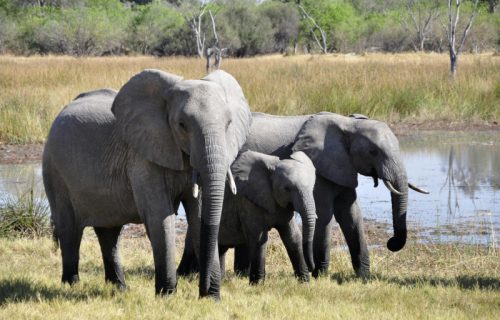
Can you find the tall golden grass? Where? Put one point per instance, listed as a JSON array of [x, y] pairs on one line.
[[408, 87]]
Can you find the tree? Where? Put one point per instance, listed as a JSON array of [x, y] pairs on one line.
[[422, 15], [193, 12], [453, 19]]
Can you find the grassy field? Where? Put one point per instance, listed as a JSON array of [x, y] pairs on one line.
[[422, 281], [411, 87]]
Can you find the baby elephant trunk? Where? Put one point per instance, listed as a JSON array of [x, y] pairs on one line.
[[307, 210]]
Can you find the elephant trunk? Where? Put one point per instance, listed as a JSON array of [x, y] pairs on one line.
[[307, 210], [399, 202], [213, 172]]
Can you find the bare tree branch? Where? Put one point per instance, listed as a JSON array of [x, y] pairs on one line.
[[321, 44]]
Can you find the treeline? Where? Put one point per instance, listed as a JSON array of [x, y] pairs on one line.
[[242, 27]]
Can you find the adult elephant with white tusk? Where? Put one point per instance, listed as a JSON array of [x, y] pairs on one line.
[[340, 147], [130, 157]]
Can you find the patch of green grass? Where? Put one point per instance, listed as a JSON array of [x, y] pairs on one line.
[[421, 281]]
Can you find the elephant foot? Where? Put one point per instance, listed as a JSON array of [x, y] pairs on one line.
[[318, 272], [255, 280], [364, 275], [165, 289], [121, 287], [302, 277], [214, 295], [71, 280], [163, 292]]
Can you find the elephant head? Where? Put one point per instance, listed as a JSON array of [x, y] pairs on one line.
[[271, 183], [341, 147], [161, 117]]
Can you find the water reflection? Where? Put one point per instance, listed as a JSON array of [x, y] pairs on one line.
[[461, 170], [17, 179]]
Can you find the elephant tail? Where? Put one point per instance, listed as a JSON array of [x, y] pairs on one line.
[[55, 238]]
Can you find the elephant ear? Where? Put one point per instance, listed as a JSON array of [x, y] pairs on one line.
[[324, 140], [241, 120], [141, 114], [252, 174]]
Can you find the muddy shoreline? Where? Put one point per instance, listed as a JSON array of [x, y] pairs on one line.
[[32, 153]]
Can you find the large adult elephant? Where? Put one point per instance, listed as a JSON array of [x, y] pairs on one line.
[[131, 157], [340, 147]]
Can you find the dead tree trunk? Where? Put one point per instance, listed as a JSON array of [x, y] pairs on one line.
[[195, 21], [214, 51], [452, 33], [315, 26]]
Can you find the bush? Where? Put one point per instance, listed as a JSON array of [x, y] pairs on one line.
[[24, 216]]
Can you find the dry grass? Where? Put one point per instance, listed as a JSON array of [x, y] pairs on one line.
[[412, 87], [422, 281]]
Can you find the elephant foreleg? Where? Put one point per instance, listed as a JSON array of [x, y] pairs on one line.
[[292, 239], [257, 247], [108, 240], [348, 215], [156, 209], [161, 232], [323, 197]]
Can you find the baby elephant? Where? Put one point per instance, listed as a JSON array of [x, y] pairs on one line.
[[269, 191]]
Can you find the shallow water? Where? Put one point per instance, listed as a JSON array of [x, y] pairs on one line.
[[460, 169]]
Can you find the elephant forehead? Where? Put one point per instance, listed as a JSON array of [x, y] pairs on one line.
[[200, 90], [380, 134], [297, 173]]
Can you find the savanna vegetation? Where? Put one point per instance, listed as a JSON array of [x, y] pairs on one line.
[[422, 281], [412, 88], [243, 27]]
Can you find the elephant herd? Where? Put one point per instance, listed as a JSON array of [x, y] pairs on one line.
[[135, 155]]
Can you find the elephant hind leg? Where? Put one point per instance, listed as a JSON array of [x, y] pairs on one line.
[[222, 260], [108, 240], [69, 236], [241, 260]]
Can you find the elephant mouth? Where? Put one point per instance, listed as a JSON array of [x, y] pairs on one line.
[[196, 188], [388, 184]]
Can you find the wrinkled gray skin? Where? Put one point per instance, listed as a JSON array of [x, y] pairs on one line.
[[128, 157], [269, 191], [340, 148]]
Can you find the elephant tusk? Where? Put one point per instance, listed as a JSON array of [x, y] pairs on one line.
[[375, 182], [196, 188], [230, 179], [391, 188], [411, 186]]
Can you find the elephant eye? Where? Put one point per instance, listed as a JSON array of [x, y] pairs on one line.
[[182, 125], [228, 124], [373, 152], [287, 189]]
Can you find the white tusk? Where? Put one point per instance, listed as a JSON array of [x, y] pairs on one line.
[[391, 188], [417, 189], [230, 179], [196, 188]]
